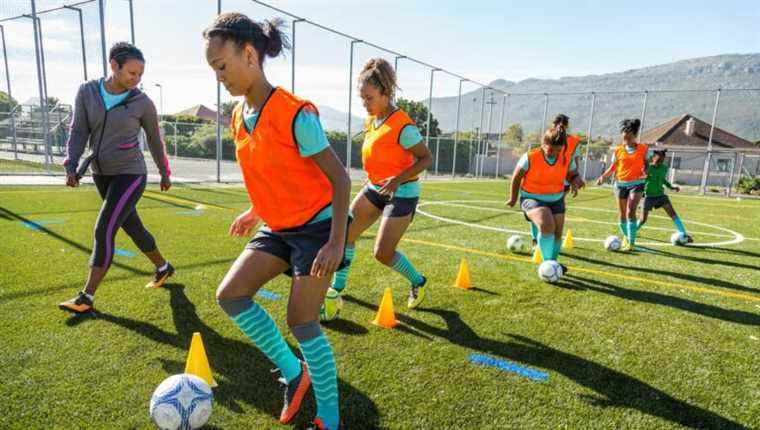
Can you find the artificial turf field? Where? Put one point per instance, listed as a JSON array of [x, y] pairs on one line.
[[665, 337]]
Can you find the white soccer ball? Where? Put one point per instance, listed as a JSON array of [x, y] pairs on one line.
[[332, 306], [516, 243], [612, 243], [181, 402], [678, 238], [550, 271]]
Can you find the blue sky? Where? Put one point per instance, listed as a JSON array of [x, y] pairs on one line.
[[484, 40]]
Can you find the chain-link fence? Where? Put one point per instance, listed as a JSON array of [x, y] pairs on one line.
[[472, 129]]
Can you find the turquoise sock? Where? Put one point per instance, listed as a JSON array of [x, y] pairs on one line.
[[324, 378], [339, 279], [533, 232], [623, 228], [679, 225], [546, 244], [403, 266], [557, 248], [256, 323], [632, 230]]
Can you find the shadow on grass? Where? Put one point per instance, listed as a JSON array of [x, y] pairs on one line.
[[36, 292], [683, 276], [733, 251], [242, 371], [701, 260], [615, 389], [61, 238], [729, 315]]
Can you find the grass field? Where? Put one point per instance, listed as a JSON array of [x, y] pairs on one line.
[[665, 337], [21, 166]]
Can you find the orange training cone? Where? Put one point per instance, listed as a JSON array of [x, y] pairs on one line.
[[385, 315], [537, 257], [197, 362], [568, 242], [463, 277]]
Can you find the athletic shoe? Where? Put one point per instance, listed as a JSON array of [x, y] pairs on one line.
[[689, 239], [79, 304], [626, 245], [295, 391], [331, 306], [317, 424], [416, 294], [161, 276]]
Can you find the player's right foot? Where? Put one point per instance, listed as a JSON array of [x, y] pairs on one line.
[[416, 294], [689, 238], [295, 391], [79, 304], [160, 277]]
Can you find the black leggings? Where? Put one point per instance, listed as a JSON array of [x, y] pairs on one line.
[[120, 195]]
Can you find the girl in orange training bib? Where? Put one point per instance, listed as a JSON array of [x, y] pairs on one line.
[[299, 188], [393, 155], [629, 162]]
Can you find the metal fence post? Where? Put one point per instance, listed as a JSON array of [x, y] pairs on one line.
[[41, 88], [81, 35], [504, 105], [429, 115], [478, 159], [131, 21], [456, 133], [293, 55], [218, 115], [437, 152], [101, 13], [706, 169], [350, 92], [10, 94], [588, 137], [643, 113]]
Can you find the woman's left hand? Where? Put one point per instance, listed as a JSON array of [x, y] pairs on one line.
[[328, 259], [390, 187], [166, 183]]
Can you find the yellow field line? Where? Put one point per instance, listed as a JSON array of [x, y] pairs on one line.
[[592, 271]]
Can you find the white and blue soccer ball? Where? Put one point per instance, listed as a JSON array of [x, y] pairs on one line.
[[550, 271], [678, 239], [612, 243], [181, 402], [516, 243], [332, 306]]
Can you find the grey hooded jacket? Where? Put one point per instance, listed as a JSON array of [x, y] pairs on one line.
[[113, 136]]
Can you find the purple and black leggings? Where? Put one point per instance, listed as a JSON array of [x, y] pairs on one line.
[[120, 194]]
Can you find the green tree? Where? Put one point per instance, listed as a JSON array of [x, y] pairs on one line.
[[6, 102], [419, 112], [227, 108], [514, 135]]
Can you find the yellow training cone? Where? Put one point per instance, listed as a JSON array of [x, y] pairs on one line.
[[537, 257], [568, 242], [197, 362], [463, 277], [385, 315]]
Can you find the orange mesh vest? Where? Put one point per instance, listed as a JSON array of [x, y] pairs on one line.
[[572, 145], [631, 167], [286, 189], [382, 153], [542, 177]]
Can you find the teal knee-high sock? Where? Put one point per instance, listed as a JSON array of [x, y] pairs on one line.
[[557, 248], [319, 358], [256, 323], [623, 228], [340, 277], [679, 225], [533, 232], [546, 244], [403, 266], [632, 230]]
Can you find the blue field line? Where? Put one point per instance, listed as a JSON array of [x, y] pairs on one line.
[[509, 366], [124, 253], [38, 225], [264, 294]]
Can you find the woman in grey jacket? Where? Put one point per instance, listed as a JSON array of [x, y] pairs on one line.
[[108, 116]]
